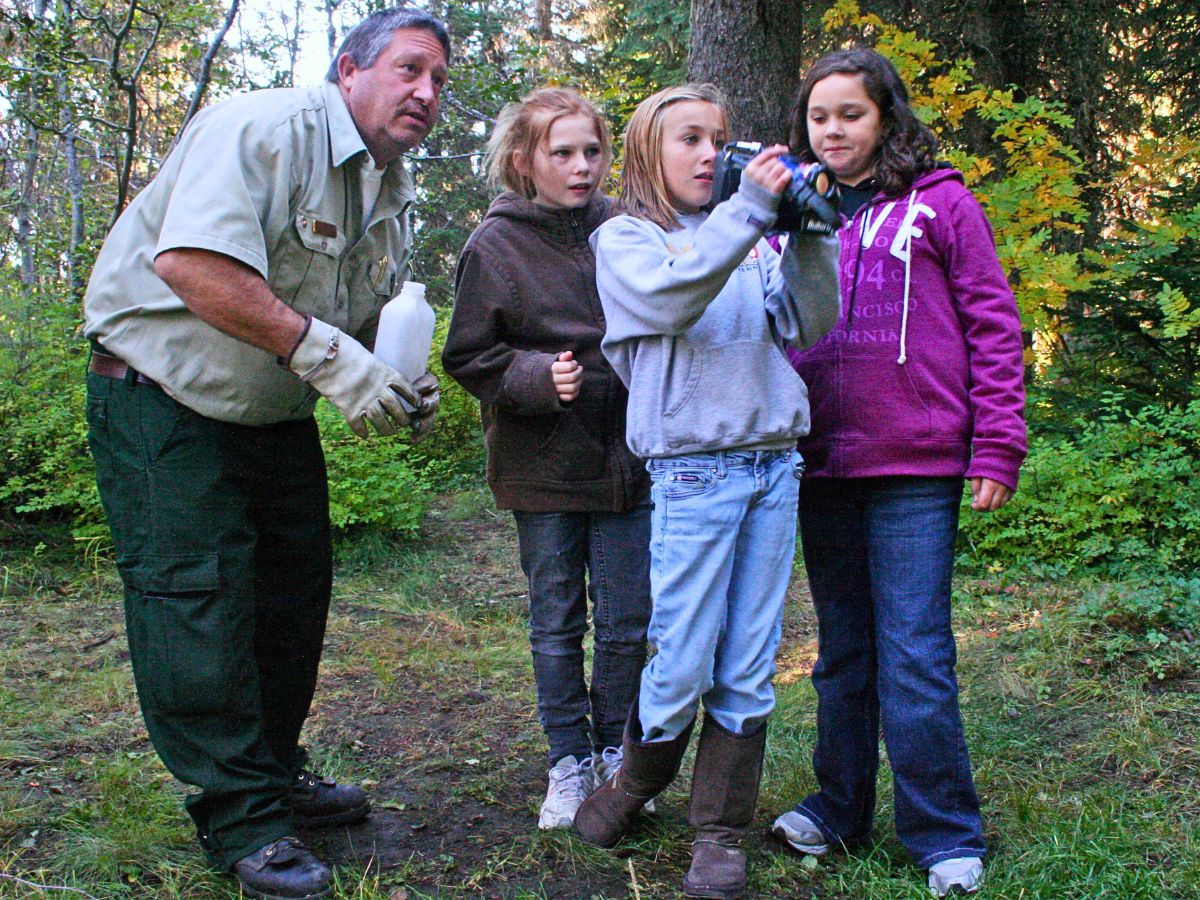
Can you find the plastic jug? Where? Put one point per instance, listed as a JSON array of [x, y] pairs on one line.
[[405, 333]]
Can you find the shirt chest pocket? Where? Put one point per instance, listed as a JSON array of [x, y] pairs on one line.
[[307, 274], [381, 276]]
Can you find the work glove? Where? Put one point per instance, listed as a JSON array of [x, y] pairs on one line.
[[427, 389], [362, 387]]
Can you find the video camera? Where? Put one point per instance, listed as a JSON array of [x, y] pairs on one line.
[[809, 203]]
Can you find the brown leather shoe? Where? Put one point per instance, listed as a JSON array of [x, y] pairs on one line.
[[717, 871], [320, 802], [283, 870]]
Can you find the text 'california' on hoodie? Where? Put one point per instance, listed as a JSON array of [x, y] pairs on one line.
[[923, 374]]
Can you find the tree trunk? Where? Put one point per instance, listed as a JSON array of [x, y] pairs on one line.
[[543, 20], [26, 198], [750, 49]]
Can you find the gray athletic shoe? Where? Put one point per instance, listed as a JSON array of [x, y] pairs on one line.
[[570, 784], [801, 833], [961, 875]]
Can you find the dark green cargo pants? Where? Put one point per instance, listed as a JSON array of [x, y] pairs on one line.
[[222, 540]]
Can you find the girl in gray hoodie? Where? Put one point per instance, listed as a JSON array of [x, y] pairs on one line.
[[698, 312]]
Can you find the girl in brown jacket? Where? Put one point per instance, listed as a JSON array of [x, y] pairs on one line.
[[525, 340]]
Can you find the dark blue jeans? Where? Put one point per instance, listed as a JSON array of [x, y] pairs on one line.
[[566, 557], [880, 555]]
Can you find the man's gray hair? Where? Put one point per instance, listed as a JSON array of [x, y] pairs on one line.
[[370, 37]]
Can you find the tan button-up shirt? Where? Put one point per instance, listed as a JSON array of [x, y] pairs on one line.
[[270, 178]]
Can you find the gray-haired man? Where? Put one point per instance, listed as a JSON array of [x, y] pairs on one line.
[[242, 283]]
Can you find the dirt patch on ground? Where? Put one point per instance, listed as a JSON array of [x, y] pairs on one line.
[[426, 695], [461, 767]]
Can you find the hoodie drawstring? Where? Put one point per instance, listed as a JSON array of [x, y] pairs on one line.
[[903, 357], [862, 230]]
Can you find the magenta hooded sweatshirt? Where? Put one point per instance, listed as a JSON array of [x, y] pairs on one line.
[[923, 374]]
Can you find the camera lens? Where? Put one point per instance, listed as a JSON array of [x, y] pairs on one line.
[[819, 180]]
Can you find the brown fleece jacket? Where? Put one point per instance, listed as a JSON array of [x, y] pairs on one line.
[[526, 292]]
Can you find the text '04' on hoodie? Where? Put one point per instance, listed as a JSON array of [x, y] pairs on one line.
[[923, 374]]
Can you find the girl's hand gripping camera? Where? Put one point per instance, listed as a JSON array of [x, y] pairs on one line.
[[809, 203]]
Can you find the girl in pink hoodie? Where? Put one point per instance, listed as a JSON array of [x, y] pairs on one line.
[[918, 387]]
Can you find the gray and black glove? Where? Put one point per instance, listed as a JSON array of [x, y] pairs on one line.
[[427, 388], [362, 387]]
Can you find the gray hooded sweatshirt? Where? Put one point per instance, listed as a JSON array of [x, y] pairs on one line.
[[697, 319]]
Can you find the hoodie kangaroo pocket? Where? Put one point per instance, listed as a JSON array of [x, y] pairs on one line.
[[879, 399]]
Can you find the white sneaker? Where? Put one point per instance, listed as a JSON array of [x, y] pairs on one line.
[[570, 784], [801, 833], [606, 764], [961, 875]]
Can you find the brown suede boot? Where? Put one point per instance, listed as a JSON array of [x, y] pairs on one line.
[[607, 815], [724, 792]]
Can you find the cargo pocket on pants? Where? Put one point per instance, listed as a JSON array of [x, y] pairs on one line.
[[186, 663]]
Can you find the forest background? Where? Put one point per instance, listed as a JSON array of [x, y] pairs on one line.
[[1077, 125]]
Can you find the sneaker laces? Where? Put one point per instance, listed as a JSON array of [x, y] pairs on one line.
[[572, 781], [611, 759]]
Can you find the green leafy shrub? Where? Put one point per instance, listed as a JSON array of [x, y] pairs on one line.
[[45, 469], [1115, 496], [46, 474], [371, 482], [1153, 624], [1136, 327]]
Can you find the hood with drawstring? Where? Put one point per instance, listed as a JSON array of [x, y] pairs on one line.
[[923, 374]]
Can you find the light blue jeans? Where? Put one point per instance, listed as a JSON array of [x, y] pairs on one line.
[[723, 535]]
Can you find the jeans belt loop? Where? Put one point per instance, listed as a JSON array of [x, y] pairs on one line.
[[720, 455]]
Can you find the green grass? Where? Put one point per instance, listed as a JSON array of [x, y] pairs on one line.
[[1089, 776]]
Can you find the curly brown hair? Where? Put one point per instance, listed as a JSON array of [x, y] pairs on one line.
[[908, 147]]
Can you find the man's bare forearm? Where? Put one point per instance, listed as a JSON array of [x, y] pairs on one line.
[[231, 297]]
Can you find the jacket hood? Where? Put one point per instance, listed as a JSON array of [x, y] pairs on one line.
[[936, 176], [568, 225]]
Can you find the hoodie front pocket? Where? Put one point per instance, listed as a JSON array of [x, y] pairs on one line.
[[880, 400]]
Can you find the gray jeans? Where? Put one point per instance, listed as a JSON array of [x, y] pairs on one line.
[[566, 557]]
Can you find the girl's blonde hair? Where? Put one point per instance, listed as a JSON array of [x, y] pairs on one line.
[[522, 127], [643, 188]]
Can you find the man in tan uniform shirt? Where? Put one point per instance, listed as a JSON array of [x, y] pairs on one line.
[[242, 283]]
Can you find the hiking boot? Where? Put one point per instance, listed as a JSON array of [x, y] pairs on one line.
[[606, 764], [320, 802], [724, 792], [800, 833], [570, 784], [646, 770], [282, 870], [960, 875]]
